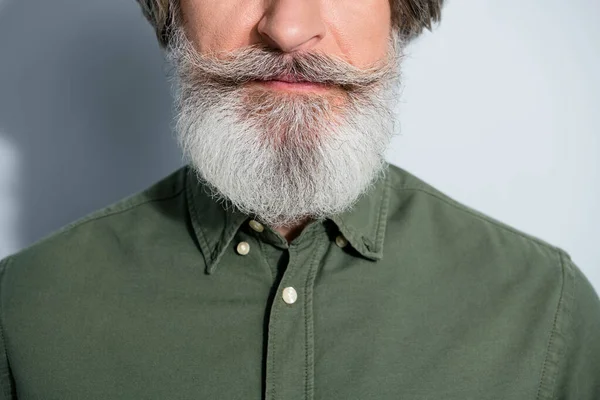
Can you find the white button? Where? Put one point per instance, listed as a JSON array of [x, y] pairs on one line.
[[243, 248], [257, 226], [289, 295], [341, 241]]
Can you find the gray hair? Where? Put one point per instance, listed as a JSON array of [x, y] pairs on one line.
[[409, 17]]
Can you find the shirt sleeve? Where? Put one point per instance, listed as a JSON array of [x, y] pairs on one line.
[[7, 387], [572, 367]]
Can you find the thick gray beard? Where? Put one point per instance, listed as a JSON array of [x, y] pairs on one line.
[[284, 158]]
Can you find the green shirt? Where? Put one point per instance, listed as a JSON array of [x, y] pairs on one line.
[[410, 295]]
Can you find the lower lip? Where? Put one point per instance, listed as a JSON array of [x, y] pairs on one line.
[[294, 86]]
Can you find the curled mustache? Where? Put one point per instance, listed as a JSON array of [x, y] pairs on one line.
[[262, 63]]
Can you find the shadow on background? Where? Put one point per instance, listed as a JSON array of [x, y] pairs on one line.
[[85, 101]]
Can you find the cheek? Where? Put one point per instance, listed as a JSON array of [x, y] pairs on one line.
[[359, 29], [220, 25], [362, 28]]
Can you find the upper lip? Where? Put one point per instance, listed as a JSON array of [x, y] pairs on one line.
[[288, 78]]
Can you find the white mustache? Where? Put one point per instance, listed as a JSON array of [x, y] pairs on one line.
[[258, 62]]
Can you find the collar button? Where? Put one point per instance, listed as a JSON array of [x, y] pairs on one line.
[[257, 226], [341, 241]]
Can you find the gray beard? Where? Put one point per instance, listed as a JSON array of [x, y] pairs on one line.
[[282, 157]]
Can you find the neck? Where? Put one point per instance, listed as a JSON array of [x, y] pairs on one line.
[[292, 232]]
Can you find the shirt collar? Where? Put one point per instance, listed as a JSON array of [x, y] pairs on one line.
[[215, 225], [364, 224]]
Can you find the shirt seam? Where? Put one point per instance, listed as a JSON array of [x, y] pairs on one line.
[[117, 212], [133, 203], [309, 323], [264, 259], [3, 266], [221, 245], [550, 366], [105, 214], [484, 218], [384, 206], [272, 340], [204, 245]]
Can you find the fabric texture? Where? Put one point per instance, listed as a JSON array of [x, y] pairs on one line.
[[410, 295]]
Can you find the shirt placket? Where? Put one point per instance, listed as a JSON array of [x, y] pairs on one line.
[[290, 350]]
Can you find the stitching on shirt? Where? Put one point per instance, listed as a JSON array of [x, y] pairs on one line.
[[93, 218], [221, 245], [129, 208], [103, 213], [273, 332], [3, 267], [309, 322], [191, 200], [263, 257], [551, 340], [272, 338], [383, 210], [481, 217]]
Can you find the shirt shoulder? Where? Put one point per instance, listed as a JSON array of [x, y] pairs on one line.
[[407, 190], [105, 229], [536, 283]]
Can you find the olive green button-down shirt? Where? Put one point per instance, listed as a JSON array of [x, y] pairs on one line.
[[410, 295]]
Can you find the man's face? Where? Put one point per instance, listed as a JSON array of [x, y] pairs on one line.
[[284, 106], [355, 31]]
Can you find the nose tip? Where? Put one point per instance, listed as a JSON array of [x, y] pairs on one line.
[[292, 25]]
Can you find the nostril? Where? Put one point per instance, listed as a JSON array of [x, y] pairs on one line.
[[290, 29], [269, 41]]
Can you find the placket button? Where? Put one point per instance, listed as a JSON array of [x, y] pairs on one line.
[[289, 295], [243, 248]]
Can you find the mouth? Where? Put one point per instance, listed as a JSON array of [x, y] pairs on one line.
[[293, 83]]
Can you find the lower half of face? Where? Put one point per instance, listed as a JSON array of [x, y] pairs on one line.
[[285, 136]]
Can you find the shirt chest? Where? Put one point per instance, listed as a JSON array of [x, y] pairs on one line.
[[349, 332]]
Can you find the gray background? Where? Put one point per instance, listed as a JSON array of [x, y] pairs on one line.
[[501, 110]]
